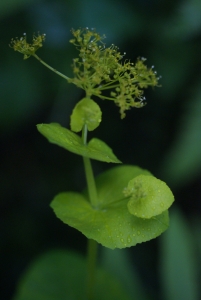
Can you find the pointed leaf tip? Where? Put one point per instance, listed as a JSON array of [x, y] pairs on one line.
[[65, 138]]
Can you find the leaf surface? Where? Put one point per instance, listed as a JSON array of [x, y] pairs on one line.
[[86, 112], [149, 196], [65, 138], [111, 223]]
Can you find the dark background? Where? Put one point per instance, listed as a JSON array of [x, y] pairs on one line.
[[164, 136]]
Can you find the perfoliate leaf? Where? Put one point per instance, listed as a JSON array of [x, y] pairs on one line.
[[111, 223], [86, 112], [149, 196], [65, 138]]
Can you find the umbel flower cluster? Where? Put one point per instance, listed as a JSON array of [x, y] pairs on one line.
[[21, 45], [99, 70]]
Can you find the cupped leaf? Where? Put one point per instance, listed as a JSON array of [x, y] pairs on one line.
[[149, 196], [112, 183], [60, 275], [65, 138], [86, 112], [110, 224]]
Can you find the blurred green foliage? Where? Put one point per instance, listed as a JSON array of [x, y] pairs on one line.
[[61, 275], [179, 263], [164, 136]]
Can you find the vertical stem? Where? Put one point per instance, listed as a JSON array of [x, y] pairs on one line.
[[92, 245], [91, 268], [89, 174]]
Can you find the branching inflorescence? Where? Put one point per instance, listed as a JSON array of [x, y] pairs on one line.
[[98, 69]]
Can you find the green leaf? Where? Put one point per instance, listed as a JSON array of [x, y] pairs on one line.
[[110, 223], [120, 264], [61, 275], [86, 112], [179, 263], [149, 196], [63, 137], [105, 153]]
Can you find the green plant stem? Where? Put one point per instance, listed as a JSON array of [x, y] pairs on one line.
[[49, 67], [90, 182], [92, 245], [89, 174], [91, 268]]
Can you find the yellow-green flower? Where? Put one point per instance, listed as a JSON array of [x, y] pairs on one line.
[[100, 69], [21, 45]]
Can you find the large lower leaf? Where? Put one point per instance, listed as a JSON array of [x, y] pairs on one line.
[[63, 137], [111, 223], [61, 275]]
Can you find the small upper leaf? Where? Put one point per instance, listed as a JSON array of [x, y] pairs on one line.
[[86, 112], [63, 137], [149, 196]]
